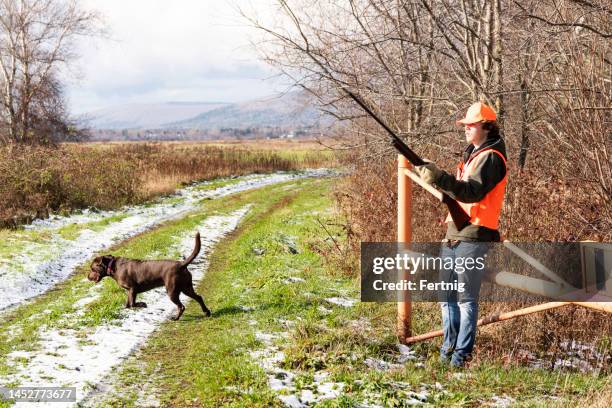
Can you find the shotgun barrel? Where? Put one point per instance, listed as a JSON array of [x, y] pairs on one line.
[[459, 216]]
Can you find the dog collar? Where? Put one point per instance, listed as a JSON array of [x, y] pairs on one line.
[[109, 268]]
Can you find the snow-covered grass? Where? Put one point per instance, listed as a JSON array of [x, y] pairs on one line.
[[286, 329], [278, 339], [76, 307], [79, 358], [283, 381], [32, 263]]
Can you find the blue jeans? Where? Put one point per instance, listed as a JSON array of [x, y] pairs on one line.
[[460, 309]]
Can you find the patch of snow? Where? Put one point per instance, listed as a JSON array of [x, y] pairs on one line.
[[362, 325], [324, 310], [329, 390], [575, 355], [502, 402], [283, 381], [92, 294], [344, 302], [381, 365], [291, 401], [402, 391], [15, 331], [146, 398], [79, 359], [286, 323], [320, 376], [406, 354], [267, 338], [293, 279]]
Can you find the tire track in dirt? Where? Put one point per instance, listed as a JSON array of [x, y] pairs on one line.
[[41, 266], [81, 358]]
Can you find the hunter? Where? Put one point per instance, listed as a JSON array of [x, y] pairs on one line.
[[479, 187]]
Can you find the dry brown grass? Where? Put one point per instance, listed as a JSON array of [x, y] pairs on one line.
[[596, 398], [35, 181], [255, 144]]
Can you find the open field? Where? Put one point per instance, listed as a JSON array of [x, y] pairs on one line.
[[54, 336], [279, 269], [257, 144], [35, 182], [287, 327]]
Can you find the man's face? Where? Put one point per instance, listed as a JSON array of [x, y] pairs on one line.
[[474, 133]]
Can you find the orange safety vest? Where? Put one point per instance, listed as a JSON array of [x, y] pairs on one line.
[[486, 211]]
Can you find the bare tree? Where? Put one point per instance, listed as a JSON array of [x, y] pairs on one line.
[[547, 37], [373, 47], [577, 125], [420, 62], [37, 42], [470, 37]]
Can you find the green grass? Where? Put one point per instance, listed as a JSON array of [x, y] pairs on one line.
[[72, 231], [14, 242], [207, 362], [216, 350], [158, 241]]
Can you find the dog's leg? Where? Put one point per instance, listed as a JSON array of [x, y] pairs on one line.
[[174, 297], [192, 294], [131, 298], [138, 304], [131, 301]]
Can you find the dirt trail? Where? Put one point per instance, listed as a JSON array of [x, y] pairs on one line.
[[40, 265], [81, 358]]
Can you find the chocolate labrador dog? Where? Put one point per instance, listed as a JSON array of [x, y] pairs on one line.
[[139, 276]]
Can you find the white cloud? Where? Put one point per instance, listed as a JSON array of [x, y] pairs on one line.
[[192, 50]]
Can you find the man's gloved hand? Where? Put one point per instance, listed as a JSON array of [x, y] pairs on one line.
[[429, 172]]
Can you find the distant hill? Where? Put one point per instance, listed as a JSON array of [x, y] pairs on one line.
[[289, 111], [146, 116]]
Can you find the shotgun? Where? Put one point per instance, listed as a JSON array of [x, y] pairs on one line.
[[459, 216]]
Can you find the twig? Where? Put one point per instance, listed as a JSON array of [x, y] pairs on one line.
[[330, 235]]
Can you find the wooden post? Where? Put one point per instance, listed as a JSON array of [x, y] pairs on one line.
[[404, 234]]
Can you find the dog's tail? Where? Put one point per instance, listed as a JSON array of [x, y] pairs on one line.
[[195, 252]]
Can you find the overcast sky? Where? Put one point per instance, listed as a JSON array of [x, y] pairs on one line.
[[159, 51]]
